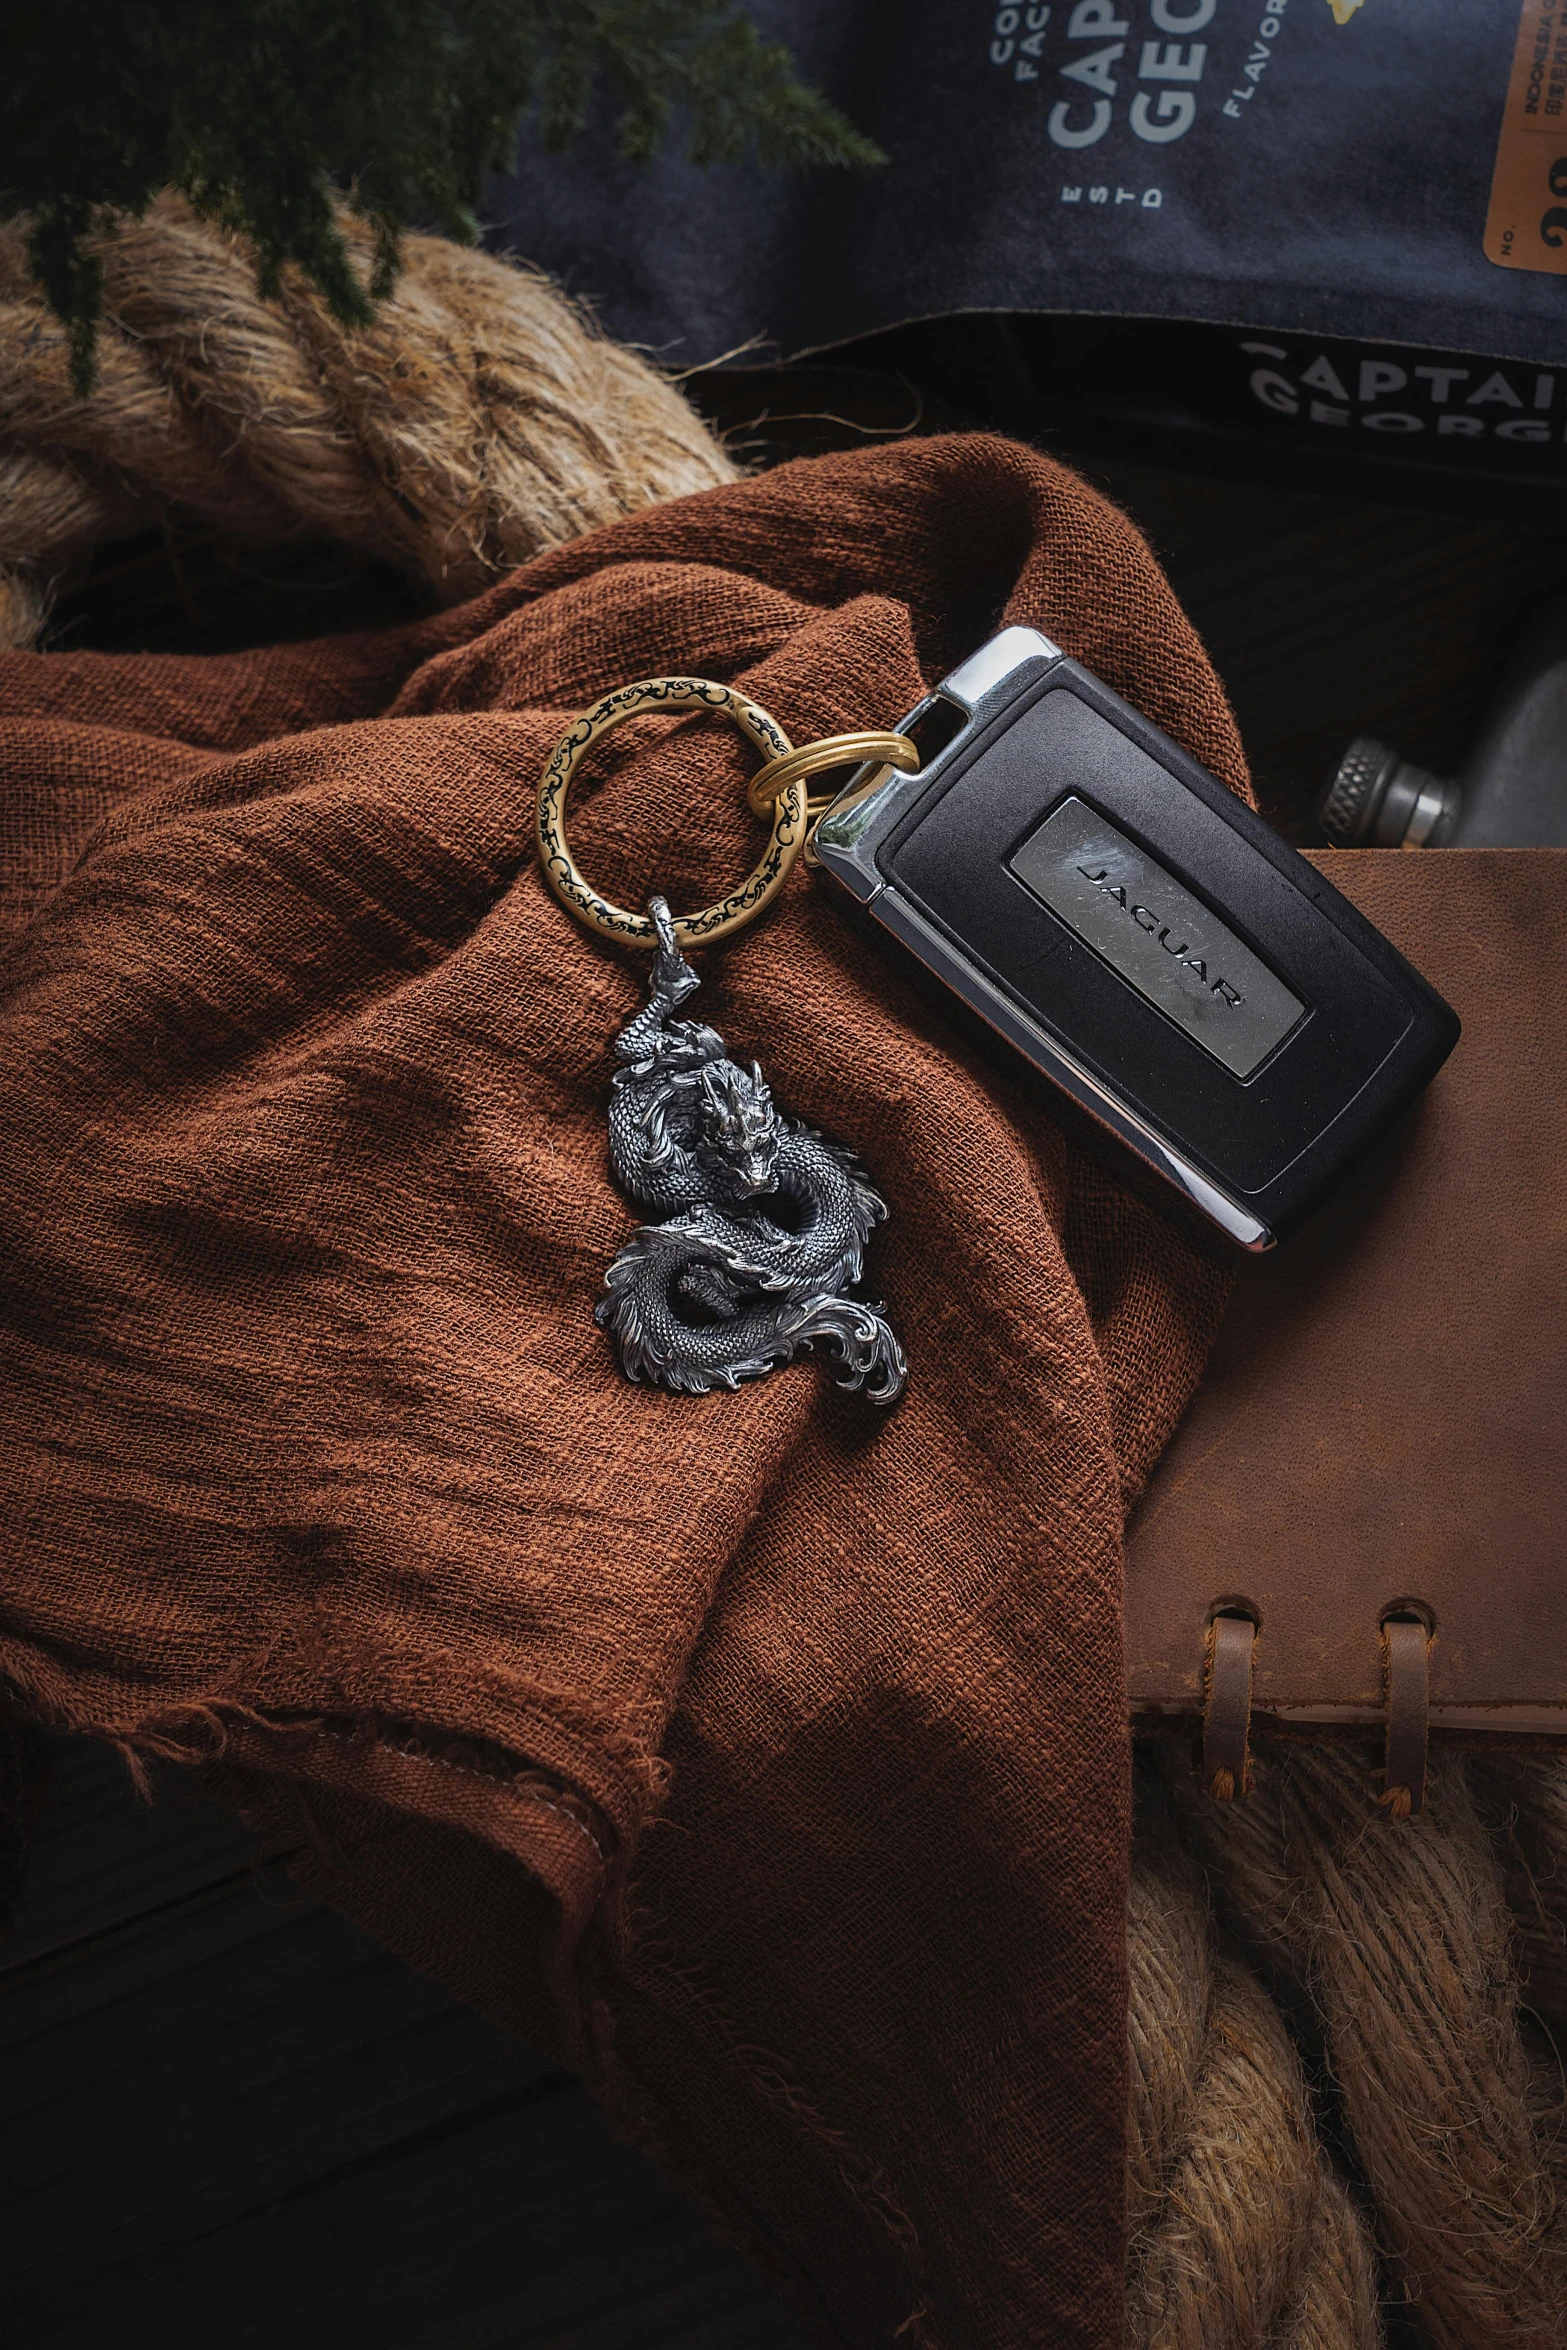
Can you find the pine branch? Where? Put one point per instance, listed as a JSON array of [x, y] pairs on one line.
[[255, 110]]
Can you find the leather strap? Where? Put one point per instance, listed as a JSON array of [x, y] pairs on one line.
[[1406, 1669], [1226, 1718]]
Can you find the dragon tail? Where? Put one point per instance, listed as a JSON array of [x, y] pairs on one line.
[[862, 1338], [662, 1346]]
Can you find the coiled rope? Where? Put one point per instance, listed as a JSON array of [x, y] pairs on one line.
[[479, 419], [1401, 1943], [1241, 2235]]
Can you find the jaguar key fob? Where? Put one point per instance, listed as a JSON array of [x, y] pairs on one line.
[[1141, 937]]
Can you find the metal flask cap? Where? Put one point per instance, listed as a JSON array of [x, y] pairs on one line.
[[1376, 800]]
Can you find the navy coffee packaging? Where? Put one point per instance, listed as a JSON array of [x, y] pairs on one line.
[[1319, 238]]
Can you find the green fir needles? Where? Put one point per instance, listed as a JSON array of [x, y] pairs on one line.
[[254, 109]]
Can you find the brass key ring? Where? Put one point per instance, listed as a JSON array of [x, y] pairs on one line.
[[834, 750], [760, 886], [782, 778]]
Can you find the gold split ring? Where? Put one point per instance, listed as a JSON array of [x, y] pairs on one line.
[[834, 750], [787, 813]]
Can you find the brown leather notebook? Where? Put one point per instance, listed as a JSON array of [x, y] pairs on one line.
[[1383, 1426]]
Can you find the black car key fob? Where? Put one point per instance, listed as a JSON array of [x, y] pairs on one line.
[[1139, 935]]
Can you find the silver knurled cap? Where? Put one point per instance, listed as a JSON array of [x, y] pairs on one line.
[[1349, 805]]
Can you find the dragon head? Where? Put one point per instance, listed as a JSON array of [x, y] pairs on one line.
[[737, 1133]]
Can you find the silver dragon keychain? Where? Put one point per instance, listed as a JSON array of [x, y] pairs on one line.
[[764, 1222]]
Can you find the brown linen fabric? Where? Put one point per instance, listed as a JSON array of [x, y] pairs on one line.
[[770, 1753]]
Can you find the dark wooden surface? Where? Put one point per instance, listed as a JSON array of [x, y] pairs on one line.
[[225, 2117], [1327, 619], [228, 2119]]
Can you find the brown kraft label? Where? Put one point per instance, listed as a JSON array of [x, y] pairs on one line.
[[1526, 227]]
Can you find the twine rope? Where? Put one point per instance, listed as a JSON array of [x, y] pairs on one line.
[[478, 420], [1400, 1942]]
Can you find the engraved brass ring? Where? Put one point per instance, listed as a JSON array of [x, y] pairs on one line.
[[761, 885], [834, 750]]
